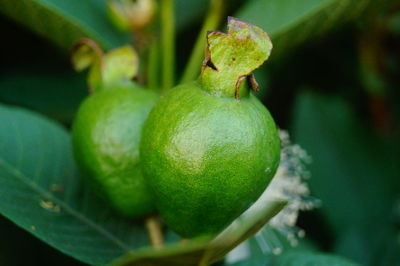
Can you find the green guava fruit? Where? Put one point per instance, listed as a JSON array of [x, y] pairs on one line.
[[209, 148], [106, 134]]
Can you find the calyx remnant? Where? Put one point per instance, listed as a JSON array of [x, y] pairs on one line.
[[107, 70], [232, 57]]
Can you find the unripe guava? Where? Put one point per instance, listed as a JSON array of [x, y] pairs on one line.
[[106, 134]]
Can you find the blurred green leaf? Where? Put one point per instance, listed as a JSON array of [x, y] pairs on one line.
[[370, 245], [292, 22], [64, 22], [353, 173], [188, 12], [54, 93], [297, 258], [301, 258], [41, 192]]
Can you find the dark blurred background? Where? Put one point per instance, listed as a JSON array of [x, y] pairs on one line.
[[335, 91]]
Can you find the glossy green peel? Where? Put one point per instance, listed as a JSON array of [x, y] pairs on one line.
[[210, 148], [106, 135], [107, 130]]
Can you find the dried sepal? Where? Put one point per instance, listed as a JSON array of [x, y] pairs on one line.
[[232, 57]]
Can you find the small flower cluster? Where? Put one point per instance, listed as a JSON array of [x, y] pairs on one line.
[[289, 184]]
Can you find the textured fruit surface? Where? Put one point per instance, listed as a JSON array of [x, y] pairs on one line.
[[207, 158], [106, 135]]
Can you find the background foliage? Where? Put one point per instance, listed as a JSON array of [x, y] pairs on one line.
[[332, 81]]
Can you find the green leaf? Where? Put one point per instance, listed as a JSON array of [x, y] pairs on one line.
[[297, 258], [353, 173], [15, 241], [301, 258], [41, 192], [292, 22], [64, 22], [54, 93], [186, 253], [370, 244]]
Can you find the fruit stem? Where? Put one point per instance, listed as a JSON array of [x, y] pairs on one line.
[[153, 67], [211, 22], [153, 227], [168, 43]]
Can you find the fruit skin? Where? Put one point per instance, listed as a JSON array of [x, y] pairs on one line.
[[106, 134], [207, 158]]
